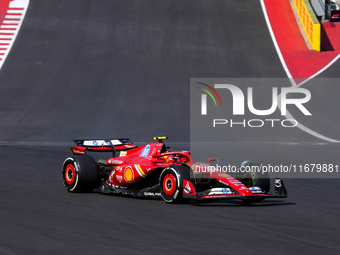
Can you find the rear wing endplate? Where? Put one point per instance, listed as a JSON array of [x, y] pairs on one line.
[[102, 145]]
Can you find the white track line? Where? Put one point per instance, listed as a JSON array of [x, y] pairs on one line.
[[288, 115], [320, 71], [275, 42]]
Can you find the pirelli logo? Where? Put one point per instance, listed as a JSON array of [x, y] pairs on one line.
[[309, 22]]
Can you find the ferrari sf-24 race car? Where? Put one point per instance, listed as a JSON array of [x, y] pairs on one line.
[[153, 170]]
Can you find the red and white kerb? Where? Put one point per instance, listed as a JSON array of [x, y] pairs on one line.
[[10, 25]]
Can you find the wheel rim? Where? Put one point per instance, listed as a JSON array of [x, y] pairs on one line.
[[169, 184], [70, 174]]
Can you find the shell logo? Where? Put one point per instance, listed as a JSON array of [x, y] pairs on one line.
[[128, 174]]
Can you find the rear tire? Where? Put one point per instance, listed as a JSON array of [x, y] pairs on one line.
[[80, 174]]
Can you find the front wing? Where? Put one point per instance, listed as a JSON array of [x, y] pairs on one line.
[[189, 192]]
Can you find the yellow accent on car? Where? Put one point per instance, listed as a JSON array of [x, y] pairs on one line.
[[160, 138], [141, 170]]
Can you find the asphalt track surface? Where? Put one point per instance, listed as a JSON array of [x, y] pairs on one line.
[[122, 68]]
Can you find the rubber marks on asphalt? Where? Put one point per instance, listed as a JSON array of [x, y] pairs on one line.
[[299, 62], [12, 13]]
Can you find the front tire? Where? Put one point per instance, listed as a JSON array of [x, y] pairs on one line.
[[80, 174], [171, 183], [262, 180], [259, 179]]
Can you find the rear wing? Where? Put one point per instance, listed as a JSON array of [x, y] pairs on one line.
[[102, 145]]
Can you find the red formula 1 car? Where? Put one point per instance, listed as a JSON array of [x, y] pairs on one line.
[[153, 170]]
